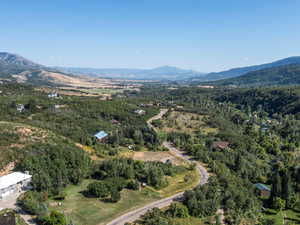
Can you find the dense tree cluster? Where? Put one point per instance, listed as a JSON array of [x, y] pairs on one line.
[[79, 118], [54, 167], [150, 172], [261, 128]]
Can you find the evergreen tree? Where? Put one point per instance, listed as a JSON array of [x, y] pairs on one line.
[[276, 186], [287, 191]]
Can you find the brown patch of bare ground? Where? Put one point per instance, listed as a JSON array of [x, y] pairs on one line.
[[7, 169], [157, 156]]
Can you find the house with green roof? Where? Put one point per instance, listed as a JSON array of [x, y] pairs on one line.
[[262, 189]]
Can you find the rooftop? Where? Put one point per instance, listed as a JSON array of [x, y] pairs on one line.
[[13, 178], [262, 187], [221, 144], [100, 135]]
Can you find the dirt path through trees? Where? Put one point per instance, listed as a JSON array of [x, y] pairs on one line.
[[134, 215]]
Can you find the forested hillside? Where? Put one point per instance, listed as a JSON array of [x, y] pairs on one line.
[[237, 72], [281, 100], [275, 76], [52, 137], [262, 145], [244, 136]]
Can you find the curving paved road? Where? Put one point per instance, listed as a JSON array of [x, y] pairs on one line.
[[135, 214], [202, 170]]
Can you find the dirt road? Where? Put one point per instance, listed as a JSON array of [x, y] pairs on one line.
[[134, 215], [156, 117]]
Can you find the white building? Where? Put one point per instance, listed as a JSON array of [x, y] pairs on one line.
[[20, 107], [53, 95], [14, 182], [140, 112]]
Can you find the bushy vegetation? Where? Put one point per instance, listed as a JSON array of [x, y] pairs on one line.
[[260, 126], [280, 75], [53, 168], [159, 217], [118, 173], [78, 118], [263, 137]]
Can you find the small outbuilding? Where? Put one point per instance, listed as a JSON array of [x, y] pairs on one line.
[[262, 189], [114, 121], [53, 95], [140, 112], [101, 136], [220, 144], [20, 107]]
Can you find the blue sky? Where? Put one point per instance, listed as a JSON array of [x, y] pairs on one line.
[[209, 35]]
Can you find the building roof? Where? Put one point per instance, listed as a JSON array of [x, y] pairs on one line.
[[262, 187], [12, 179], [139, 111], [221, 144], [114, 121], [100, 135]]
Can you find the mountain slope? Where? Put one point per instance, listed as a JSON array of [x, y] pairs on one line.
[[15, 68], [160, 73], [9, 59], [281, 75], [235, 72]]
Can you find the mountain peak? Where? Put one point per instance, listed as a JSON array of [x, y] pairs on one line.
[[166, 67], [170, 69], [14, 59]]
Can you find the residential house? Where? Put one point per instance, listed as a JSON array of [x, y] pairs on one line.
[[220, 144], [53, 95], [13, 183], [20, 107], [114, 121], [140, 112], [263, 190], [101, 136]]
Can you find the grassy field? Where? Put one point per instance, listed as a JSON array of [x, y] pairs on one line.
[[178, 184], [187, 221], [92, 211], [290, 216], [103, 90], [185, 122]]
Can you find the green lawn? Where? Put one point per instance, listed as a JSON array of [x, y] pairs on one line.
[[188, 221], [92, 211], [177, 183]]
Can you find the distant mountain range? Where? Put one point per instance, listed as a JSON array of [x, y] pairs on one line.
[[15, 68], [279, 75], [243, 70], [8, 60], [161, 73]]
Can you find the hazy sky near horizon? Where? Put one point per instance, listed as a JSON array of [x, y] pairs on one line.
[[204, 35]]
